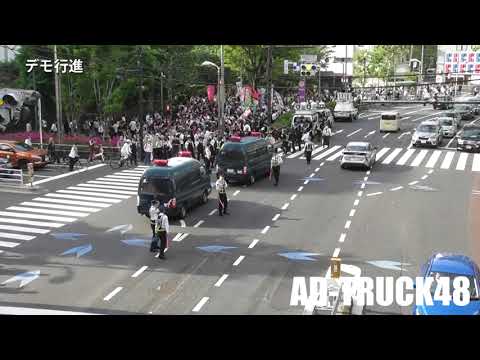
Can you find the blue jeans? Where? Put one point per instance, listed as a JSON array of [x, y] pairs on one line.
[[147, 158]]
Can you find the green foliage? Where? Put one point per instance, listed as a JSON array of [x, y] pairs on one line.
[[283, 120]]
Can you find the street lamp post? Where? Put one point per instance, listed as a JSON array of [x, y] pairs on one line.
[[220, 87]]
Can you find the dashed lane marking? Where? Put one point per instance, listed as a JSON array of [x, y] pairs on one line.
[[396, 188], [352, 213], [300, 188], [355, 203], [275, 218], [253, 243], [375, 193], [112, 294], [212, 212], [424, 177], [336, 252], [293, 197], [347, 224], [198, 223], [285, 206], [239, 260], [221, 280], [384, 136], [200, 304], [139, 271], [342, 237], [236, 193], [413, 182], [360, 193], [265, 229]]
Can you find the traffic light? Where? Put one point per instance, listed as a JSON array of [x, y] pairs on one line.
[[414, 65], [308, 69]]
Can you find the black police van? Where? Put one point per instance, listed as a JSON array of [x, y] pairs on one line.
[[244, 159], [182, 178]]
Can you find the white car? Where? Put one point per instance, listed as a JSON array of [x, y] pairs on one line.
[[358, 153]]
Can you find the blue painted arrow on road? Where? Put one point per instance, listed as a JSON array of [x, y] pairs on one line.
[[312, 179], [79, 250], [24, 278], [299, 255], [67, 236], [137, 242], [122, 228], [387, 264], [422, 188], [216, 248]]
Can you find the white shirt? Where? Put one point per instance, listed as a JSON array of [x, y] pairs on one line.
[[153, 212], [73, 152], [162, 220], [276, 160], [246, 128], [126, 151], [327, 132], [28, 142], [54, 127], [306, 137], [133, 125], [221, 184], [208, 153]]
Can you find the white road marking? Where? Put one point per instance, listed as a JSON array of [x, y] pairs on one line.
[[355, 203], [392, 156], [293, 197], [328, 152], [8, 244], [74, 197], [139, 271], [423, 117], [317, 150], [16, 236], [336, 252], [430, 171], [405, 157], [37, 217], [285, 206], [384, 136], [198, 223], [253, 243], [116, 185], [396, 188], [317, 169], [375, 193], [382, 152], [236, 193], [239, 260], [221, 280], [96, 205], [24, 229], [296, 154], [275, 218], [413, 182], [182, 237], [312, 175], [212, 212], [424, 177], [476, 162], [48, 212], [360, 193], [368, 172], [342, 237], [33, 223], [182, 223], [338, 132], [462, 161], [200, 304], [67, 174], [362, 186], [306, 182], [403, 134], [102, 189], [91, 193], [112, 294], [419, 158], [433, 159], [447, 161], [352, 213], [118, 179], [353, 133], [370, 133], [300, 188], [322, 164], [60, 207], [347, 224], [335, 156], [176, 237], [265, 229], [365, 178]]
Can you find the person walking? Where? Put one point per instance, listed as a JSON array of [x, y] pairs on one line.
[[275, 166], [162, 228], [73, 157], [207, 158], [327, 133], [133, 154], [52, 154], [154, 211], [308, 151], [147, 148], [221, 186]]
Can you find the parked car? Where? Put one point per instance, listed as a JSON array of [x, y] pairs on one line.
[[20, 154]]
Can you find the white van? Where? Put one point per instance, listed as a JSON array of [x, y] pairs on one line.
[[390, 121]]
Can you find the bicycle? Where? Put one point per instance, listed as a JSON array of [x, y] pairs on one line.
[[122, 162]]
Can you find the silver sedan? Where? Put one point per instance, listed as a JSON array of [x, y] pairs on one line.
[[358, 154]]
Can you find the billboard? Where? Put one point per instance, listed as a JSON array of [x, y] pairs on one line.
[[462, 62]]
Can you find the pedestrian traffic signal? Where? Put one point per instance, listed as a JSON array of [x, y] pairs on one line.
[[308, 69]]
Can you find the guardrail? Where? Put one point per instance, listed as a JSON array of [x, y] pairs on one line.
[[11, 177]]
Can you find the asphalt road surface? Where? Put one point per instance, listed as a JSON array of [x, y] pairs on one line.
[[57, 253]]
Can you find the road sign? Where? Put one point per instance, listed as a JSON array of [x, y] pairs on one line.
[[285, 67], [344, 97], [308, 58]]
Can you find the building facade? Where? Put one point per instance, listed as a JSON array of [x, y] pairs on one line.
[[468, 74]]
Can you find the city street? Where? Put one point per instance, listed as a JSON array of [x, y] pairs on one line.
[[78, 244]]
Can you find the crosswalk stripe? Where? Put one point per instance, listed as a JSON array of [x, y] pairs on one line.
[[118, 179], [28, 222], [36, 216], [133, 172], [126, 176], [381, 153], [462, 161], [405, 157], [476, 162], [96, 205], [97, 192], [102, 189], [433, 159], [48, 212], [60, 207], [328, 152], [335, 156], [8, 244], [315, 151], [353, 133], [143, 167], [392, 156], [24, 229], [109, 185], [296, 154], [421, 155], [76, 197], [447, 160], [16, 236]]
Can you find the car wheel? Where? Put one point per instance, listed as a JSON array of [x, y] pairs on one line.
[[183, 212], [205, 197]]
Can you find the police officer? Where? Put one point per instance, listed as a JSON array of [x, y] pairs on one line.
[[154, 211], [162, 228], [221, 186], [275, 166], [308, 151]]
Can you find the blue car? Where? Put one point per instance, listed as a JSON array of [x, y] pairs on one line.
[[451, 265]]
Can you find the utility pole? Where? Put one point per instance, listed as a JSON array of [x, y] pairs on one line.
[[58, 99], [140, 96], [364, 72], [269, 84], [421, 65]]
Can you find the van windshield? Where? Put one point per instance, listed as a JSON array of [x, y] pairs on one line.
[[389, 117], [157, 186], [231, 153]]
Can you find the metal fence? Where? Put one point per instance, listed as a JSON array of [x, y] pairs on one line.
[[11, 177]]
